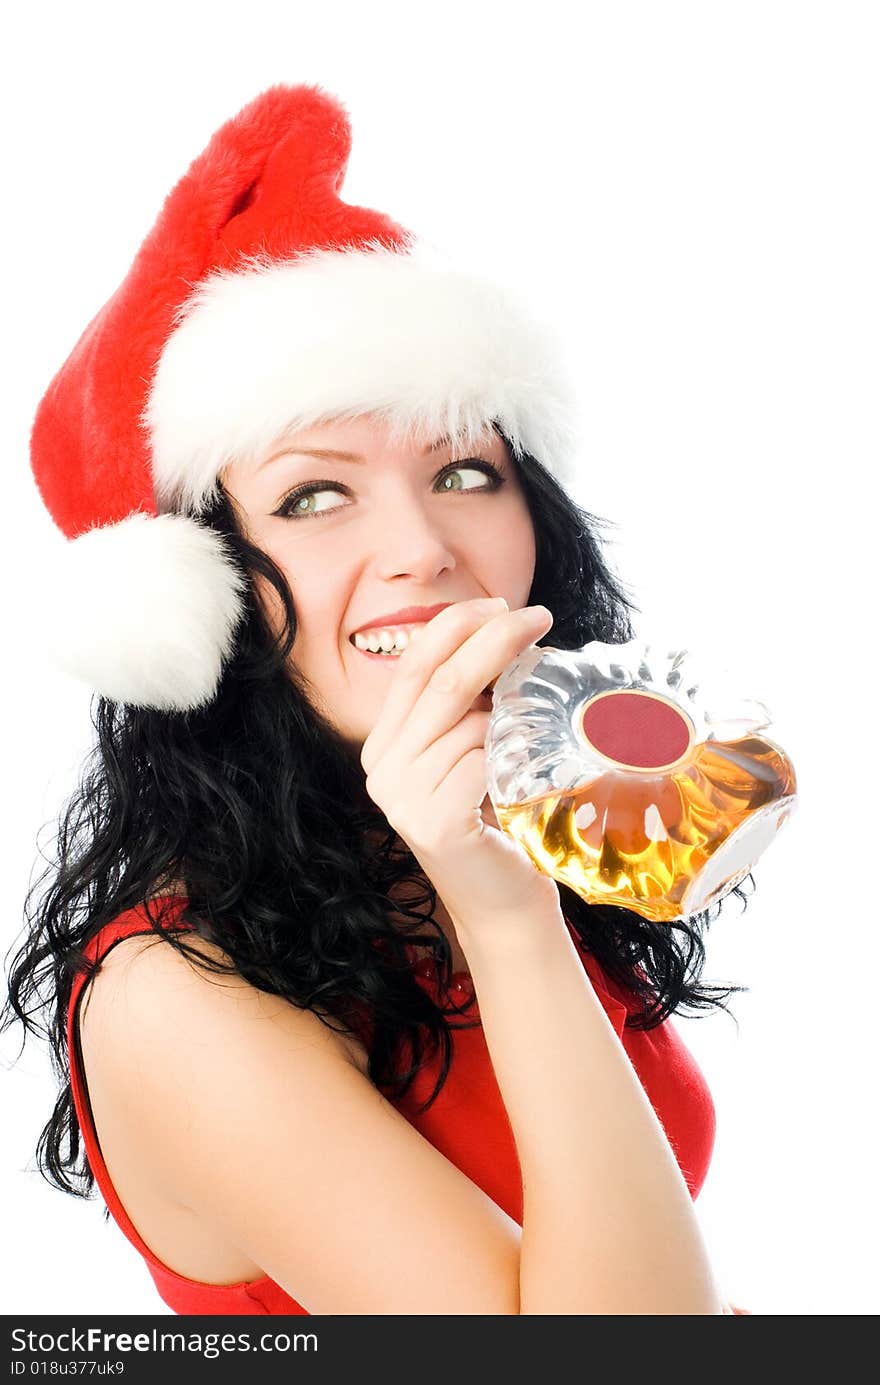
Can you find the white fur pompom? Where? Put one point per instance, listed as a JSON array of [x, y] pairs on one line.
[[147, 611]]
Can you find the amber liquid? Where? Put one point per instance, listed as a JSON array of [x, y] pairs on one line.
[[645, 836]]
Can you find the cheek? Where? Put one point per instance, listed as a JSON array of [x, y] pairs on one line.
[[527, 543], [320, 602], [319, 578], [515, 556]]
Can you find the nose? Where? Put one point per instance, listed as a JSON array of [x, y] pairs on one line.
[[415, 543]]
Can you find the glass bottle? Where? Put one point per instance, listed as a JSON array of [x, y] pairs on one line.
[[628, 778]]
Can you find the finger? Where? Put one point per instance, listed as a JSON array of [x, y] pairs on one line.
[[429, 841], [404, 789], [420, 816], [435, 763], [452, 687], [438, 639], [465, 783]]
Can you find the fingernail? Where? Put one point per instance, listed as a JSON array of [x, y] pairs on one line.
[[491, 607]]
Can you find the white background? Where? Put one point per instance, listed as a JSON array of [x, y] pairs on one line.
[[689, 193]]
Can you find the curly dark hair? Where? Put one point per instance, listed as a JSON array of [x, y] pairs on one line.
[[291, 872]]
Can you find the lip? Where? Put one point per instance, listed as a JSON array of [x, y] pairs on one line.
[[407, 616]]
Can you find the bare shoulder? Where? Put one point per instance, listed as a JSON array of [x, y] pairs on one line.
[[248, 1115], [144, 980]]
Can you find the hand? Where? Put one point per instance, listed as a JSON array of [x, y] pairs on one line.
[[425, 761]]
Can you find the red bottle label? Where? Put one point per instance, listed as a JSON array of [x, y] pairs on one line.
[[637, 730]]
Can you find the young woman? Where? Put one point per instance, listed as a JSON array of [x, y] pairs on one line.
[[331, 1042]]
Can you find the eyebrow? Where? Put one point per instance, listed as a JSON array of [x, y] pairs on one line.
[[332, 454]]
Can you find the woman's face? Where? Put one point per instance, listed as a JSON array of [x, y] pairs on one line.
[[358, 540]]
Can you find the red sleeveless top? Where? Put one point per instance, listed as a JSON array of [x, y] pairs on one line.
[[467, 1122]]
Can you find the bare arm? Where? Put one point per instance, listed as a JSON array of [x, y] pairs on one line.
[[608, 1224], [246, 1112]]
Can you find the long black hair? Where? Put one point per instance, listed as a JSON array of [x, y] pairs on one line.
[[292, 872]]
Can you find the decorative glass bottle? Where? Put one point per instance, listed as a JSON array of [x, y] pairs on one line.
[[629, 780]]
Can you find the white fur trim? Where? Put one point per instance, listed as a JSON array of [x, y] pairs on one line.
[[147, 611], [276, 346]]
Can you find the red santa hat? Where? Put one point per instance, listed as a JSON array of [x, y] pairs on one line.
[[259, 303]]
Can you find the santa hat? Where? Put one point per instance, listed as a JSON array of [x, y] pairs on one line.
[[259, 303]]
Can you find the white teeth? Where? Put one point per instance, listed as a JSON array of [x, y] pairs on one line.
[[387, 641]]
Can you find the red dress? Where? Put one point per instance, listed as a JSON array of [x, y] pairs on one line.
[[467, 1122]]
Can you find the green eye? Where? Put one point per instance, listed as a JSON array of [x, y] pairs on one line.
[[301, 505], [295, 505], [444, 480]]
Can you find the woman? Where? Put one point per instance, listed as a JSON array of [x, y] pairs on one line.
[[335, 1046]]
